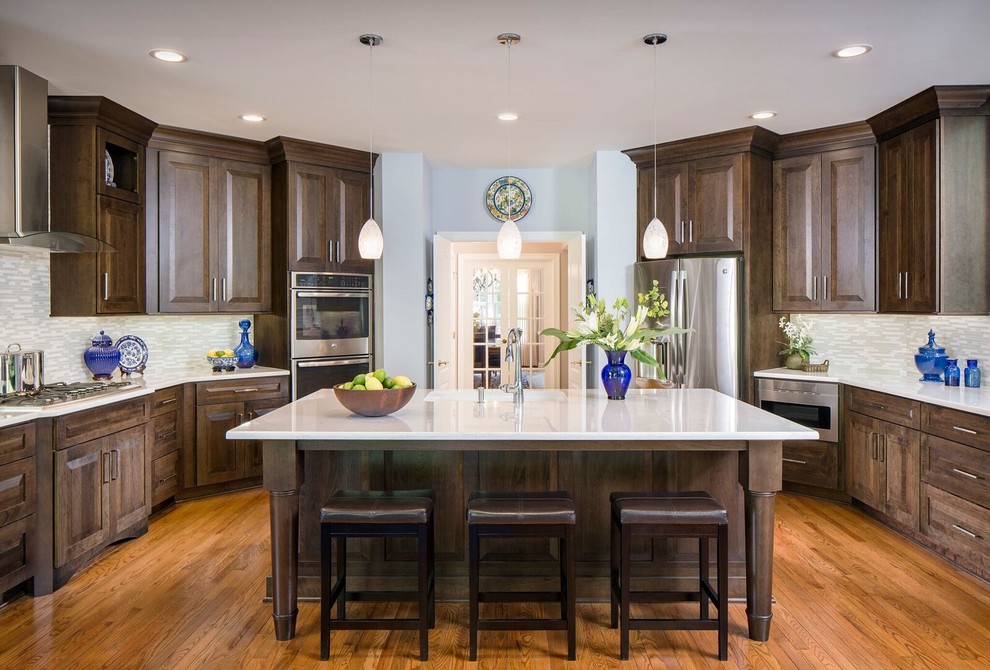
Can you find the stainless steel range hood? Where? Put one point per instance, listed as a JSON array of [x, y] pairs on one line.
[[24, 220]]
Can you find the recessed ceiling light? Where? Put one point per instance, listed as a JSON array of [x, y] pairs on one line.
[[508, 116], [763, 115], [253, 118], [168, 55], [852, 51]]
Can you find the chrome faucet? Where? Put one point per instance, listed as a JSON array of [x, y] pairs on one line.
[[512, 353]]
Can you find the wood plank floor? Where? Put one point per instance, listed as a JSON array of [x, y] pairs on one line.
[[850, 594]]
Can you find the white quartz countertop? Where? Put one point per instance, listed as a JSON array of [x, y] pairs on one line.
[[905, 385], [645, 414], [145, 385]]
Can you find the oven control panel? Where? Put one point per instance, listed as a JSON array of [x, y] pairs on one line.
[[329, 280]]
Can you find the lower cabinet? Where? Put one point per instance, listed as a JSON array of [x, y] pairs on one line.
[[17, 505], [167, 422], [813, 463]]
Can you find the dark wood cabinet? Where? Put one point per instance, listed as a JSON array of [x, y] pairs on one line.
[[166, 408], [18, 526], [213, 230], [934, 217], [824, 227], [97, 164]]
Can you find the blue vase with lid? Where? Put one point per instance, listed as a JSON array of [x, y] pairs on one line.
[[102, 357], [246, 354], [930, 360], [616, 375]]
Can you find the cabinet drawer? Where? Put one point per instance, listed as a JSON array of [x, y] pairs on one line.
[[17, 442], [16, 540], [166, 400], [166, 429], [956, 468], [813, 463], [241, 390], [90, 424], [165, 477], [891, 408], [971, 429], [958, 525], [16, 490]]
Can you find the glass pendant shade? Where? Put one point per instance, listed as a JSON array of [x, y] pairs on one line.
[[371, 243], [655, 240], [509, 241]]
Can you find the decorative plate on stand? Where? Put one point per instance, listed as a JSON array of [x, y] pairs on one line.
[[509, 195], [133, 354]]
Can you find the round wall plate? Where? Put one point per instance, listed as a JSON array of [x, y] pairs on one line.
[[509, 195], [133, 353]]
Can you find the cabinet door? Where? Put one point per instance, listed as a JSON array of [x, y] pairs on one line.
[[128, 478], [901, 456], [907, 221], [848, 234], [217, 459], [82, 499], [311, 204], [353, 200], [671, 205], [797, 218], [244, 237], [715, 204], [120, 273], [252, 448], [862, 449], [186, 210]]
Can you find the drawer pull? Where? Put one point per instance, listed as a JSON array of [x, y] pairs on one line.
[[249, 390], [965, 430], [794, 460], [171, 476], [165, 436], [245, 390], [167, 401], [967, 533], [965, 474]]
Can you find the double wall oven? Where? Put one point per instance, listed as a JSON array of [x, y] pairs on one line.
[[330, 329]]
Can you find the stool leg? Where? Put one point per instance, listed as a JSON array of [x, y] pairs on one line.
[[325, 604], [613, 578], [473, 582], [624, 542], [568, 554], [431, 562], [723, 592], [342, 576], [422, 557], [704, 571]]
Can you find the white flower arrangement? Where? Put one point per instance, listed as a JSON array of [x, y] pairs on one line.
[[798, 333]]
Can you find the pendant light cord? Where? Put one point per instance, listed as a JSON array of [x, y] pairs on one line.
[[371, 127], [508, 129], [654, 127]]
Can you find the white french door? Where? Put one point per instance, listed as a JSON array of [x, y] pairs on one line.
[[495, 295]]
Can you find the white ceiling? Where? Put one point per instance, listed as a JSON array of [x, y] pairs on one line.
[[581, 74]]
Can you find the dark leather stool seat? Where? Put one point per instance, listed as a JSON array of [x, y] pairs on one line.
[[377, 514], [663, 515], [531, 515]]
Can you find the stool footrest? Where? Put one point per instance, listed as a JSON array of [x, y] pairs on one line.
[[518, 596], [663, 596], [673, 624], [522, 624], [382, 596], [375, 624]]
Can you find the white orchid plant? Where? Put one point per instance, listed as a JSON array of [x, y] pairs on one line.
[[604, 327], [798, 333]]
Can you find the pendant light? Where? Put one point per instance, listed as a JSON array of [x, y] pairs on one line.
[[370, 240], [509, 241], [655, 240]]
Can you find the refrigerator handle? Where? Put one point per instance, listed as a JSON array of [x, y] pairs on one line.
[[682, 299], [675, 315]]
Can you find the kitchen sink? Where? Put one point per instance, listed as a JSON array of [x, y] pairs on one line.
[[494, 395]]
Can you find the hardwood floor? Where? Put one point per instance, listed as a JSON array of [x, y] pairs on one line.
[[850, 594]]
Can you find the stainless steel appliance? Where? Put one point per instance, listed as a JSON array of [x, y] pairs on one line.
[[705, 295], [21, 371], [330, 329], [811, 404], [60, 393]]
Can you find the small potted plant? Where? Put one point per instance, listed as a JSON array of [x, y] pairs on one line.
[[798, 349]]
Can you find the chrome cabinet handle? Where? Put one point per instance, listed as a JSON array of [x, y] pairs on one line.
[[338, 256], [900, 276], [814, 288], [165, 436], [794, 460], [682, 233], [906, 285], [965, 474], [691, 230], [106, 285], [171, 476], [965, 532], [825, 287], [223, 290], [167, 401], [965, 430], [329, 251], [213, 290], [245, 390]]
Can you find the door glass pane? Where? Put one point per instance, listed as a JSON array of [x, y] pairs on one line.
[[486, 306], [530, 316]]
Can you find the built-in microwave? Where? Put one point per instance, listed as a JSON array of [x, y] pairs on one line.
[[811, 404]]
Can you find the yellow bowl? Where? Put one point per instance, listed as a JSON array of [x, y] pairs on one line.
[[374, 403]]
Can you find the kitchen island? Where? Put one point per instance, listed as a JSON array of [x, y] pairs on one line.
[[733, 442]]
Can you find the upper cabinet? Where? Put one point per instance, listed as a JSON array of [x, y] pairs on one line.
[[321, 201], [934, 209], [824, 226], [212, 223], [97, 163]]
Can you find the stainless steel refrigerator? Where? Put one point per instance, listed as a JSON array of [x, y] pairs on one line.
[[705, 295]]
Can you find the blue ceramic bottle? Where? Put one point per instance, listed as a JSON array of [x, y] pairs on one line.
[[972, 374], [616, 375], [952, 372], [246, 354], [102, 357]]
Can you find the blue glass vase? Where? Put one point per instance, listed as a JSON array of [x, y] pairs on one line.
[[246, 354], [930, 360], [616, 375], [102, 357]]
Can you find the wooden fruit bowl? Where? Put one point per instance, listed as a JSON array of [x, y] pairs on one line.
[[374, 403]]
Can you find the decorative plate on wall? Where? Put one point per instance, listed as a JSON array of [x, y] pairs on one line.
[[509, 195], [133, 353]]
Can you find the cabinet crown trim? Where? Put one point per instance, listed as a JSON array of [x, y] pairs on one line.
[[844, 136], [753, 139], [86, 110], [289, 149], [170, 138], [929, 104]]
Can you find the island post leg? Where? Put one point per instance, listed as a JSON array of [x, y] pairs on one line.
[[760, 470], [282, 475]]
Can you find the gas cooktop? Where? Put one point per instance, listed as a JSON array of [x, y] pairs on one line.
[[61, 393]]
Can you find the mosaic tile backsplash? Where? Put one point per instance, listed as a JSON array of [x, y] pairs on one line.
[[173, 340], [890, 341]]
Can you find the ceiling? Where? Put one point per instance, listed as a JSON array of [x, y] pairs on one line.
[[581, 76]]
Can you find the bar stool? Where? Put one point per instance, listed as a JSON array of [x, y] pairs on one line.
[[662, 515], [377, 514], [523, 514]]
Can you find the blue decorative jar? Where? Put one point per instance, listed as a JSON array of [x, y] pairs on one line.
[[616, 375], [102, 357], [930, 360], [246, 354], [972, 374], [952, 372]]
